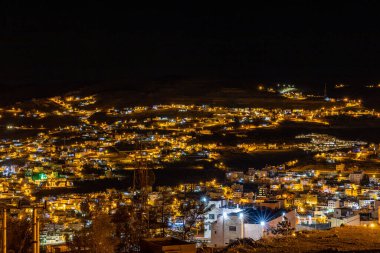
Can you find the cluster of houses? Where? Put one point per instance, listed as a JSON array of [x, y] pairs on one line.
[[255, 202]]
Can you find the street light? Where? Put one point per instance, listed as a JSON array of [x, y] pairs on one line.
[[241, 216]]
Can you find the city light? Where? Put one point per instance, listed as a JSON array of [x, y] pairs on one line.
[[93, 150]]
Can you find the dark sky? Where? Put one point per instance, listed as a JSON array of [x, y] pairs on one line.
[[302, 42]]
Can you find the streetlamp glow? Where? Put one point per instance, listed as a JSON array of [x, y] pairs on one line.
[[262, 223], [241, 215]]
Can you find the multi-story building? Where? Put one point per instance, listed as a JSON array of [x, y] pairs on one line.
[[356, 177]]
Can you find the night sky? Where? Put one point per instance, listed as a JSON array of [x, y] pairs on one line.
[[306, 43]]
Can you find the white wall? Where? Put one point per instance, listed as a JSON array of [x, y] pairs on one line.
[[349, 221], [221, 234], [254, 231]]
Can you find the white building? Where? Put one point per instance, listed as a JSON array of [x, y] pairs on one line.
[[218, 210], [333, 203], [351, 204], [249, 223]]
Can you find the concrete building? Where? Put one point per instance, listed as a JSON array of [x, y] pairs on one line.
[[250, 223], [219, 209], [356, 177], [263, 191], [333, 203]]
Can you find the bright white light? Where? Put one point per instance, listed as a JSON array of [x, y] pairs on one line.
[[225, 216], [262, 223], [204, 199], [241, 215], [283, 214]]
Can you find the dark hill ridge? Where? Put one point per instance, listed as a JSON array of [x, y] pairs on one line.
[[239, 92]]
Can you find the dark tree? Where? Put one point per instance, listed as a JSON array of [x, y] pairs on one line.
[[85, 208], [365, 180], [283, 228], [98, 238], [19, 235], [128, 229], [192, 212]]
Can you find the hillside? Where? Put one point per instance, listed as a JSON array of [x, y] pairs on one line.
[[345, 239]]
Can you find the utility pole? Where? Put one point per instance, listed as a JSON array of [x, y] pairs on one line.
[[38, 235], [162, 215], [4, 244], [36, 227], [241, 216], [34, 242]]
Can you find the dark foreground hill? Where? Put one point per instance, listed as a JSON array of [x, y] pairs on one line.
[[345, 239]]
